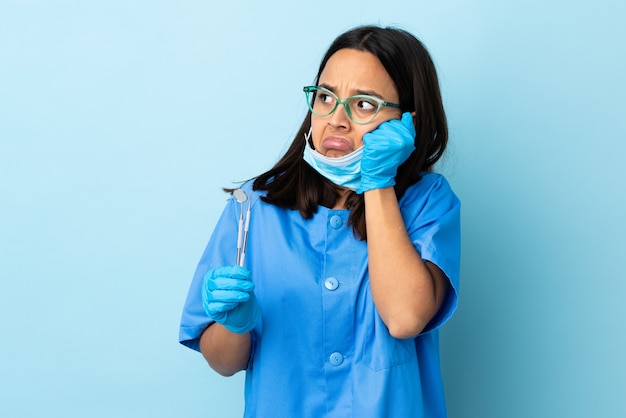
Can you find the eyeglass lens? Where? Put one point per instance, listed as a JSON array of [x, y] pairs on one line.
[[360, 108]]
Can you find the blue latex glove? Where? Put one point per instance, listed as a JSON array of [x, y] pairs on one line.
[[384, 149], [228, 298]]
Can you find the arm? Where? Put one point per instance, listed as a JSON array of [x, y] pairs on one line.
[[228, 298], [226, 352], [407, 291]]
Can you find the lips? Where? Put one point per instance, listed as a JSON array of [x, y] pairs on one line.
[[337, 143]]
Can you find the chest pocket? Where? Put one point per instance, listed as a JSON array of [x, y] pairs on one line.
[[382, 351]]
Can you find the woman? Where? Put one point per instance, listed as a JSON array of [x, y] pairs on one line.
[[353, 248]]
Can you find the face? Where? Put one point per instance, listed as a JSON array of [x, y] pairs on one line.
[[349, 72]]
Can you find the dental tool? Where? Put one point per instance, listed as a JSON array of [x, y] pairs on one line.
[[245, 234], [241, 196]]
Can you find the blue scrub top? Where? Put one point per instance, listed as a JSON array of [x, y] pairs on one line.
[[321, 349]]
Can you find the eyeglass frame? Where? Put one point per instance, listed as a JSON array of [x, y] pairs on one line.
[[314, 89]]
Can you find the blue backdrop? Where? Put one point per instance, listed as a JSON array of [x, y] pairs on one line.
[[121, 120]]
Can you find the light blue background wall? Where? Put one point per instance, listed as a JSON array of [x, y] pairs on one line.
[[121, 120]]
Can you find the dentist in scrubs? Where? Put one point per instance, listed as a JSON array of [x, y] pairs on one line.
[[352, 255]]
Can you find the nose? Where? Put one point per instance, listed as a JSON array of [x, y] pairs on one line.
[[339, 118]]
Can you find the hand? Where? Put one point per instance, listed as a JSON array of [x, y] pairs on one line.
[[228, 298], [384, 149]]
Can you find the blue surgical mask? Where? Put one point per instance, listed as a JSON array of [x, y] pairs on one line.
[[343, 171]]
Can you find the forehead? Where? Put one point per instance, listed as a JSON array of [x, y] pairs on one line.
[[350, 70]]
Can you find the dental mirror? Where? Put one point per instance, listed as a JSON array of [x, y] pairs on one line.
[[239, 195]]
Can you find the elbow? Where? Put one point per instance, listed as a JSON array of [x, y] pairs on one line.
[[406, 327], [225, 372], [408, 323]]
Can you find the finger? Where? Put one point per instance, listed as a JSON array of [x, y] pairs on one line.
[[217, 308], [235, 272], [407, 119], [408, 123], [230, 284], [228, 296]]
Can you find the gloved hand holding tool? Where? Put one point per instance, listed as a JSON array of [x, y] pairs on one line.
[[228, 298], [384, 150]]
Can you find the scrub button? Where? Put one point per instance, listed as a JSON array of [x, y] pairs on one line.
[[331, 283], [336, 221], [336, 358]]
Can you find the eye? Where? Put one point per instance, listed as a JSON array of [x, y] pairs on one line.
[[366, 105], [325, 97]]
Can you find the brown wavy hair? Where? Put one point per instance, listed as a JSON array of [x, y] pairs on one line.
[[291, 183]]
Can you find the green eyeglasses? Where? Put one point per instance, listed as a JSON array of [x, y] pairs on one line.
[[361, 108]]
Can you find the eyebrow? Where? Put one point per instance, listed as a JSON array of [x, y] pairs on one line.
[[357, 92]]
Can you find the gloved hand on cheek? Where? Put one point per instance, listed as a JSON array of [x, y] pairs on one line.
[[228, 298], [384, 150]]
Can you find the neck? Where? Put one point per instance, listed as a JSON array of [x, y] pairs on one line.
[[340, 203]]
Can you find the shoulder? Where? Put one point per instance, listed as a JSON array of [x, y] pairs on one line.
[[248, 188], [431, 190], [432, 179]]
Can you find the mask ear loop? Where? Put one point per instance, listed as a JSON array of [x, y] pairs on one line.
[[307, 137]]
